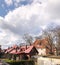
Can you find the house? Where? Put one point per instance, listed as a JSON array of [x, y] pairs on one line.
[[43, 46], [21, 52]]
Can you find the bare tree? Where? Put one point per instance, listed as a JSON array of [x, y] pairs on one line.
[[49, 36], [53, 39], [28, 38], [57, 30]]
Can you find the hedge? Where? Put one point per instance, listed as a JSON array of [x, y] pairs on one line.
[[24, 62]]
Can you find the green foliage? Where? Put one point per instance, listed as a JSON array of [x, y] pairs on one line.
[[23, 62]]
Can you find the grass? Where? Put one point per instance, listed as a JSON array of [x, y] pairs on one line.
[[7, 60], [23, 62]]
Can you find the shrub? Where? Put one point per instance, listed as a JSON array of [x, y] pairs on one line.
[[23, 62]]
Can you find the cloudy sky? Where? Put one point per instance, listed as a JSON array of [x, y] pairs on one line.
[[18, 17]]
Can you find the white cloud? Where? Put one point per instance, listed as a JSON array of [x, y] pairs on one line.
[[53, 9], [30, 18], [8, 38], [16, 3], [9, 2], [25, 18]]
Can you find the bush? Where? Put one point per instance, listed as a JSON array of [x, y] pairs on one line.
[[24, 62]]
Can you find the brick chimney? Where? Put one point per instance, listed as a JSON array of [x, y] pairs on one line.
[[30, 44], [16, 49], [26, 46]]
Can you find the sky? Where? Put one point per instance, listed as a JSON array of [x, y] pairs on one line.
[[18, 17]]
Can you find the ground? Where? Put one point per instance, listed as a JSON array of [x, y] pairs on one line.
[[50, 60], [46, 60], [2, 62]]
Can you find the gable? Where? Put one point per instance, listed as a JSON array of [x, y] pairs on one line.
[[34, 51], [40, 43]]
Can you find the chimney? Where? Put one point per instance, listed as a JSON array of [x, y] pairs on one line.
[[16, 49], [26, 46], [30, 44], [20, 46]]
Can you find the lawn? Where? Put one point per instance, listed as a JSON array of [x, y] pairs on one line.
[[23, 62]]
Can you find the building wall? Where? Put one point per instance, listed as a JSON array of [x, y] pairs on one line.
[[42, 51]]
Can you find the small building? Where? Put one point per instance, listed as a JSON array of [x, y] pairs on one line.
[[21, 52], [43, 46]]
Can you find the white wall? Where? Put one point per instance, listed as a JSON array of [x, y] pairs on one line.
[[42, 51]]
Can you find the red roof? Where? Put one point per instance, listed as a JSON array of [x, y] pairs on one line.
[[22, 49], [40, 43], [8, 50], [29, 49], [15, 52]]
